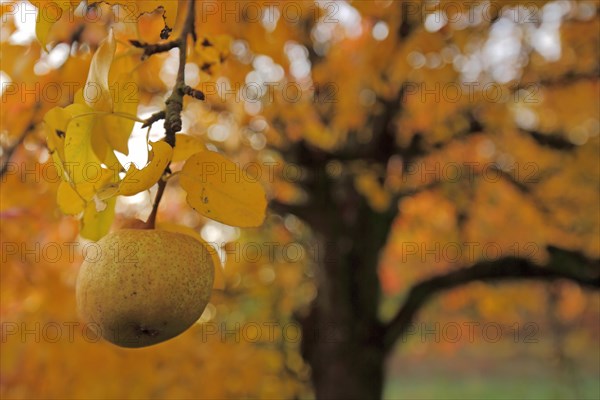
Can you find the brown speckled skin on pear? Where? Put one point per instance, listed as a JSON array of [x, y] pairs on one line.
[[144, 286]]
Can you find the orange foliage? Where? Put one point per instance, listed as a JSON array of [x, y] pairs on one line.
[[476, 191]]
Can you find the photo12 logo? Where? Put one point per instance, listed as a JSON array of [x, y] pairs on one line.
[[471, 332], [250, 332], [269, 13]]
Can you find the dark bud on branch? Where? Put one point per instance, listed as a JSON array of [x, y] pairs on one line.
[[197, 94], [165, 33]]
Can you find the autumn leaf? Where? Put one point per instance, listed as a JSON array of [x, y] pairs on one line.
[[169, 9], [136, 180], [70, 140], [372, 108], [78, 148], [97, 219], [185, 146], [117, 127], [96, 91], [69, 201], [51, 12], [218, 189], [56, 121]]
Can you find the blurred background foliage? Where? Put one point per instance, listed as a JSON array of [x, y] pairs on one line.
[[537, 120]]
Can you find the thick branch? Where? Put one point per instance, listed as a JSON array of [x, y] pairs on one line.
[[561, 266], [175, 101]]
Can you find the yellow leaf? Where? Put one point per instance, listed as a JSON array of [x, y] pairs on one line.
[[68, 200], [136, 180], [219, 282], [49, 12], [125, 99], [96, 224], [100, 179], [111, 131], [81, 162], [173, 11], [73, 128], [78, 98], [96, 91], [185, 146], [218, 189], [58, 164], [108, 191], [56, 121]]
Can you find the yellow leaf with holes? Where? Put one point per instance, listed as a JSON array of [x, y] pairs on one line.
[[95, 182], [137, 180], [68, 200], [174, 14], [56, 121], [69, 133], [108, 191], [218, 189], [219, 282], [97, 219], [173, 11], [96, 91], [185, 146]]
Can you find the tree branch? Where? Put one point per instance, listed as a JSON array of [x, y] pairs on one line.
[[174, 103], [157, 116], [562, 265], [554, 141], [150, 48], [9, 152]]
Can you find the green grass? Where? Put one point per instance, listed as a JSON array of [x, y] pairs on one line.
[[493, 372], [493, 387]]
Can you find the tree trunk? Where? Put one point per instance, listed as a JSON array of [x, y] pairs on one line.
[[344, 366], [342, 335]]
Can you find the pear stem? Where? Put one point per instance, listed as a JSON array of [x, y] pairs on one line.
[[151, 222]]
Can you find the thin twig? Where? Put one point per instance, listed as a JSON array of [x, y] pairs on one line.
[[150, 49], [9, 152], [157, 116]]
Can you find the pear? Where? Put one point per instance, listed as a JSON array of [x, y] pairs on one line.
[[144, 286]]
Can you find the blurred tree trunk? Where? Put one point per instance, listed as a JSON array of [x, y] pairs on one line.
[[342, 335], [344, 366]]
